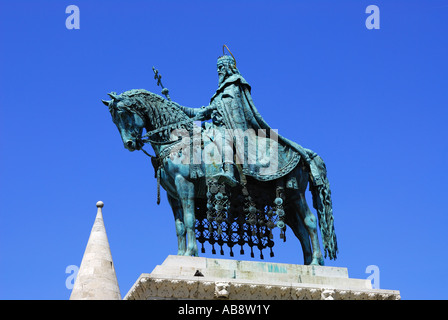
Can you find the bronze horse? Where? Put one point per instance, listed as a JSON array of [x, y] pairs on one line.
[[259, 205]]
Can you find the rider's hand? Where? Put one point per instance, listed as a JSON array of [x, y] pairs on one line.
[[201, 114]]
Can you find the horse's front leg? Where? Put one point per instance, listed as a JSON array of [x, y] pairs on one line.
[[176, 206], [185, 190]]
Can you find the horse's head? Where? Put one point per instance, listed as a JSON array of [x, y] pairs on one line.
[[128, 116]]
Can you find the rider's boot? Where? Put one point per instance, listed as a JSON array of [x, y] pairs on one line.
[[227, 175]]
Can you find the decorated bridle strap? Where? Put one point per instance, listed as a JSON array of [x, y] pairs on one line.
[[159, 162]]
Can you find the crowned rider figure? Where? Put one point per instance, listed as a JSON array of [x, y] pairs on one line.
[[231, 107]]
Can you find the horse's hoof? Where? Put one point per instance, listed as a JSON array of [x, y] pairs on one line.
[[318, 262], [191, 253]]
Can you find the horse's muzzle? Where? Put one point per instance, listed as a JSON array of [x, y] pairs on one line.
[[133, 145], [130, 145]]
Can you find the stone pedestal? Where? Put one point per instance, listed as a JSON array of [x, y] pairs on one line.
[[199, 278]]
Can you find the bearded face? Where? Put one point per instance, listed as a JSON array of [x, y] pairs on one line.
[[226, 67], [222, 72]]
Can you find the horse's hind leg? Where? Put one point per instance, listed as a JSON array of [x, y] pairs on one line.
[[295, 223], [310, 222], [185, 189], [176, 206]]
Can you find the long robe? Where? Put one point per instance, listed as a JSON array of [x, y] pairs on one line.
[[233, 103], [232, 107]]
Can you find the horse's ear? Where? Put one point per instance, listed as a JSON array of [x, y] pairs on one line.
[[106, 102], [113, 95]]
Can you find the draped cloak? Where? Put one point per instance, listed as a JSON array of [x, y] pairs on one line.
[[232, 106]]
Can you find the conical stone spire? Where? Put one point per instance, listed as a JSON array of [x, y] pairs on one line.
[[96, 279]]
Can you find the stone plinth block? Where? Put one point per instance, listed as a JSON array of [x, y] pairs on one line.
[[180, 277]]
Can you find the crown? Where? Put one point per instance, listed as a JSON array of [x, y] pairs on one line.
[[226, 58]]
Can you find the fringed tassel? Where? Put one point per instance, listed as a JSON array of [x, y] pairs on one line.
[[158, 185]]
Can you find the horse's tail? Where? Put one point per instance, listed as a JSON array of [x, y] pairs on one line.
[[320, 189]]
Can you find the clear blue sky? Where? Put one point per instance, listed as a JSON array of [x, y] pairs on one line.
[[372, 103]]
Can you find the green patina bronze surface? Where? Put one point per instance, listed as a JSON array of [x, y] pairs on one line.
[[229, 200]]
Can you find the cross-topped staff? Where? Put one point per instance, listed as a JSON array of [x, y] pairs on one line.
[[158, 77]]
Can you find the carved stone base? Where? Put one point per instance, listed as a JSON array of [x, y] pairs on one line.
[[204, 278]]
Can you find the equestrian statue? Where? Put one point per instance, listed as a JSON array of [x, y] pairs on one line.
[[230, 178]]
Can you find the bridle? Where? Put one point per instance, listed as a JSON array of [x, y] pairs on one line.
[[157, 160]]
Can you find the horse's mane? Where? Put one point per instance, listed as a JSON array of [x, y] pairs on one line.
[[159, 111]]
